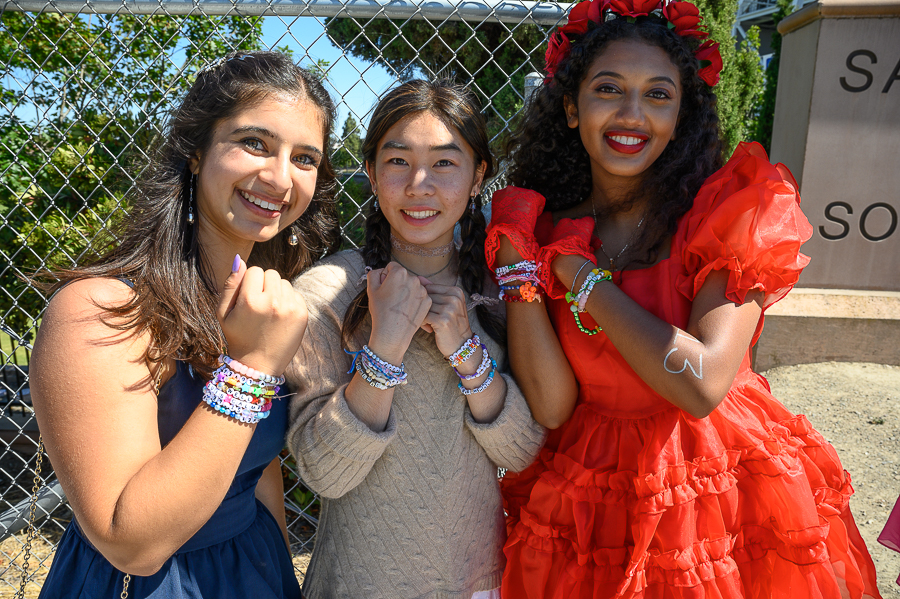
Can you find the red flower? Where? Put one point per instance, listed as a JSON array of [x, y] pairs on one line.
[[685, 17], [710, 62], [581, 14], [633, 8], [557, 49]]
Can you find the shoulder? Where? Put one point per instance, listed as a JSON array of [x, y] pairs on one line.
[[88, 296], [78, 316], [748, 172], [336, 278]]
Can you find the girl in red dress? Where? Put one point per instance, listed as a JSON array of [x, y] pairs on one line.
[[672, 471]]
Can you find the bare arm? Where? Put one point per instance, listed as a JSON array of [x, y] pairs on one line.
[[270, 491], [136, 502], [693, 368], [538, 362]]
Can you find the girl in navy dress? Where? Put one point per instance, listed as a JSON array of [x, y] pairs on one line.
[[156, 371]]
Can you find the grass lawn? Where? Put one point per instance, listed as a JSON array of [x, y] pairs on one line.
[[7, 347]]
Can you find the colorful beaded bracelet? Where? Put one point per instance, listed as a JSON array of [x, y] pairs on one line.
[[375, 371], [252, 373], [465, 351], [578, 302], [485, 363], [482, 386], [524, 265]]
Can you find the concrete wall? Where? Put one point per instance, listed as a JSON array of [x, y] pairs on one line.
[[837, 127]]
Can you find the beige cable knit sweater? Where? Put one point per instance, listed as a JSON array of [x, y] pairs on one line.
[[414, 511]]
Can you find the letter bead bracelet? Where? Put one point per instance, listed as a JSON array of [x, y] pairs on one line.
[[375, 371], [578, 301], [519, 277], [241, 392]]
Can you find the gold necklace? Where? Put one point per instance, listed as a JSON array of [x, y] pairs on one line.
[[612, 261]]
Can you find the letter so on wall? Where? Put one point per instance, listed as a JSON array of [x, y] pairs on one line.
[[837, 127]]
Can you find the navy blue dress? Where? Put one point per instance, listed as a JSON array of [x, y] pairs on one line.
[[239, 552]]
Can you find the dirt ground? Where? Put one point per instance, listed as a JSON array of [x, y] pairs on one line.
[[853, 405]]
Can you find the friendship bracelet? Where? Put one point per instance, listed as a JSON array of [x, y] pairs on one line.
[[465, 351], [578, 302], [482, 386], [252, 373], [579, 271], [375, 371], [525, 265], [485, 363]]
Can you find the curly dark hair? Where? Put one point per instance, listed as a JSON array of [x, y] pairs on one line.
[[156, 248], [549, 157], [459, 108]]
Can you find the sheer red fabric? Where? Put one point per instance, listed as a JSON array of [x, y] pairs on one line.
[[633, 497]]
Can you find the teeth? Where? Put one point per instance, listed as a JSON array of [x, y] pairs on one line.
[[421, 214], [261, 203], [627, 141]]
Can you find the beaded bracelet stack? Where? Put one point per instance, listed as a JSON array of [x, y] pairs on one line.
[[465, 351], [375, 371], [578, 301], [519, 277], [241, 392]]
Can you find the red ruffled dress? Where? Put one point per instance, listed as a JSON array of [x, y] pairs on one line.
[[633, 497]]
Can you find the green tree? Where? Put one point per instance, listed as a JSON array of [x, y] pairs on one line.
[[765, 115], [742, 75], [494, 57], [99, 87], [349, 155]]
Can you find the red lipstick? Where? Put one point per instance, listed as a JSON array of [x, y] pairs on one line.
[[626, 148]]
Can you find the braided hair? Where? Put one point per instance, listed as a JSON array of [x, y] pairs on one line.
[[549, 157], [459, 108]]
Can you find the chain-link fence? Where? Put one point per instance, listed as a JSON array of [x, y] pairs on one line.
[[85, 87]]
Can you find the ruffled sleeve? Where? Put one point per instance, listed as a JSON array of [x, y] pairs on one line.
[[746, 220]]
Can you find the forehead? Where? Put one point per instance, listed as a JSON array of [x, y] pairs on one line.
[[634, 59], [423, 130], [296, 120]]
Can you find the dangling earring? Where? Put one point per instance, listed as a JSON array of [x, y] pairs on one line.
[[293, 239], [375, 205], [190, 215], [472, 204]]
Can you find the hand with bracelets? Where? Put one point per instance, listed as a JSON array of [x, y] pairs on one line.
[[262, 317]]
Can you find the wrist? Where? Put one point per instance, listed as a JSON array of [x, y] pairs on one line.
[[390, 351]]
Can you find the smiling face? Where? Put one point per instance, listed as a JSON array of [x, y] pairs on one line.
[[258, 174], [627, 108], [424, 174]]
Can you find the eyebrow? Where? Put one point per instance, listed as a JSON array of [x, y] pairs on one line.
[[396, 145], [265, 132], [613, 74]]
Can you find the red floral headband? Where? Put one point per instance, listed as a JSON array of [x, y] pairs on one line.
[[682, 17]]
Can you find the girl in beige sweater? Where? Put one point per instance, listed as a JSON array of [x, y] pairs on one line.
[[403, 445]]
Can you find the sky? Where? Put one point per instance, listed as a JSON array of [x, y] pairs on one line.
[[354, 84]]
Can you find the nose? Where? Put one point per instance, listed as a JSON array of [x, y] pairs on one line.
[[277, 173], [630, 113], [421, 183]]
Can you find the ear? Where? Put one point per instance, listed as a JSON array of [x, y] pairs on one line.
[[571, 112], [194, 163], [370, 172], [479, 179]]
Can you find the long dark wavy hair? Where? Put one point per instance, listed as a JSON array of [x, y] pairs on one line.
[[549, 157], [155, 248], [456, 107]]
